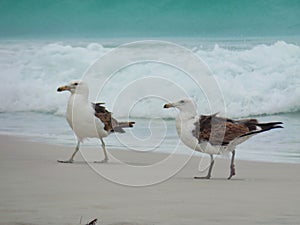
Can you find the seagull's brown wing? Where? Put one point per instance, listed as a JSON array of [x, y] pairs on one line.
[[110, 123], [104, 115], [220, 130]]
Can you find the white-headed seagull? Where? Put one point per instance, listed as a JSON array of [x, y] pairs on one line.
[[212, 134], [89, 120]]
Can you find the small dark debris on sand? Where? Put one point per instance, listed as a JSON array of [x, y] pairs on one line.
[[93, 222]]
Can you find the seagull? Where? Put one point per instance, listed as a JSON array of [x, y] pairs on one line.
[[214, 135], [89, 120]]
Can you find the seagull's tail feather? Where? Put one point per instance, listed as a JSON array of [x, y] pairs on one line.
[[118, 126], [264, 127], [126, 124], [269, 126]]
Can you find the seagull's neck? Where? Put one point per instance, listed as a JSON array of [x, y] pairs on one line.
[[183, 120], [186, 115], [80, 96], [77, 100]]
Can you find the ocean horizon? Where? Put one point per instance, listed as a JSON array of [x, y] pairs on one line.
[[140, 18]]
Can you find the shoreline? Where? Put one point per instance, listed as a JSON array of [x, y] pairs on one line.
[[90, 145], [35, 189]]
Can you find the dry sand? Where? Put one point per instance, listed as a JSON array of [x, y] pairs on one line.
[[35, 189]]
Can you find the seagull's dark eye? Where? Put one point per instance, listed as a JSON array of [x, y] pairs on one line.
[[182, 101], [76, 83]]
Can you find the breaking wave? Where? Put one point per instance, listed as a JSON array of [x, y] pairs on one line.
[[261, 79]]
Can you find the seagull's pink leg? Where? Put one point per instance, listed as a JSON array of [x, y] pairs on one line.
[[212, 161], [232, 167]]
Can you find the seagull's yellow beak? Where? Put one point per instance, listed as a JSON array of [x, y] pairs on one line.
[[168, 105], [63, 88]]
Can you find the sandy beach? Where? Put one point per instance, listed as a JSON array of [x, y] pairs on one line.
[[35, 189], [233, 59]]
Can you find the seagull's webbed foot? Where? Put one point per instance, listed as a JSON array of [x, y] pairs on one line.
[[232, 167], [203, 178], [102, 161], [65, 161], [232, 172], [207, 177]]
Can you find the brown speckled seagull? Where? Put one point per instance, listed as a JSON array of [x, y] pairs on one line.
[[212, 134]]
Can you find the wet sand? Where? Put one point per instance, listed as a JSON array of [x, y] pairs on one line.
[[35, 189]]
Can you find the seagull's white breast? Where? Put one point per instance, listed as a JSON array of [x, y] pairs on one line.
[[185, 132], [81, 118]]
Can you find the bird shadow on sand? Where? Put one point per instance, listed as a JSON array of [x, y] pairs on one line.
[[138, 164], [90, 162], [106, 163], [212, 179]]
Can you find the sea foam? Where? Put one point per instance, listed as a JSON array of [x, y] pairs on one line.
[[263, 79]]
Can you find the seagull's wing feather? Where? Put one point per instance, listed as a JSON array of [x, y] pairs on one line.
[[104, 115], [224, 131], [218, 130], [110, 123]]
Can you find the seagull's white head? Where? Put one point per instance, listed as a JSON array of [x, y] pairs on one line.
[[76, 87], [186, 106]]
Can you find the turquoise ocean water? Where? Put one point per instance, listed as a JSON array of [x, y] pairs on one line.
[[251, 47], [143, 18]]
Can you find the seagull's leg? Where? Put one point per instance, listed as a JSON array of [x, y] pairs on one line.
[[212, 161], [71, 160], [105, 153], [232, 167]]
